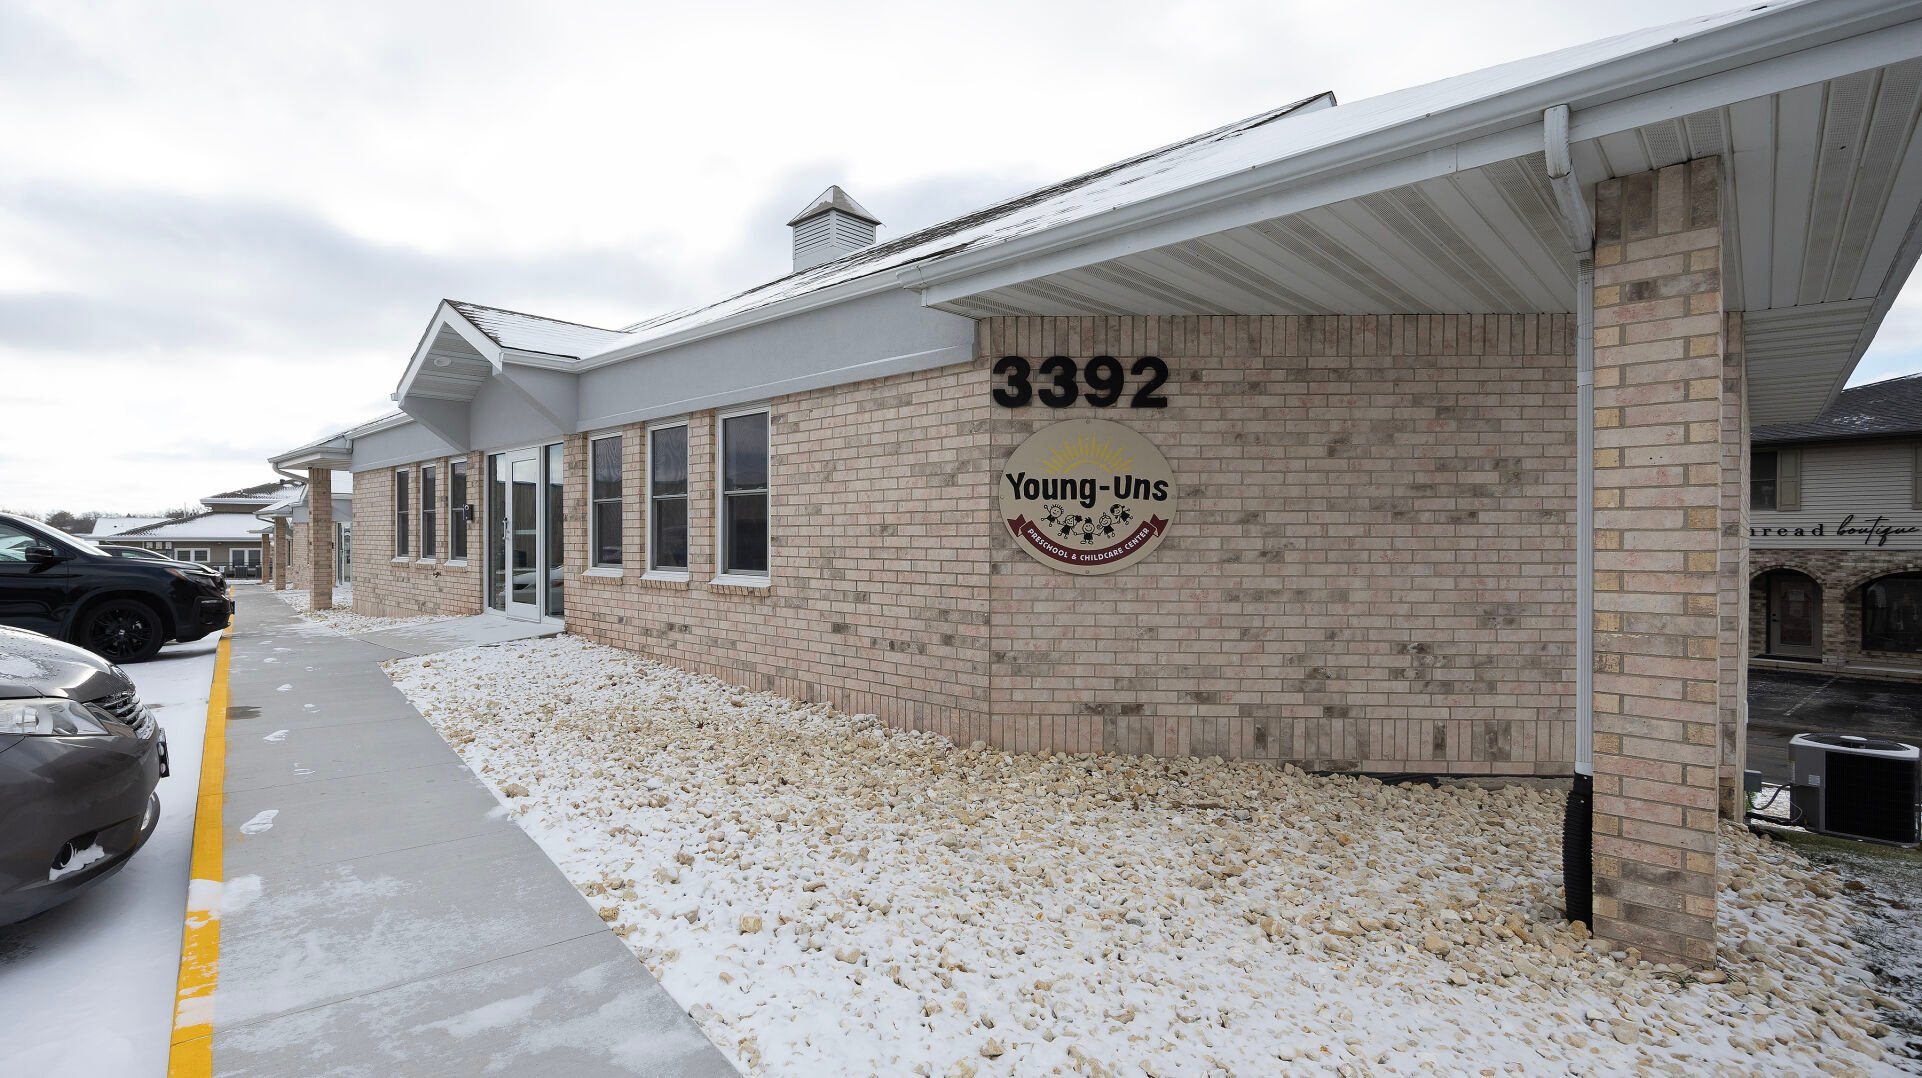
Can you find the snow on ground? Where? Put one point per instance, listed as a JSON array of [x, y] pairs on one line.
[[88, 988], [342, 618], [827, 896]]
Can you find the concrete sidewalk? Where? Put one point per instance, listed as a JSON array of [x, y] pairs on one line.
[[382, 914]]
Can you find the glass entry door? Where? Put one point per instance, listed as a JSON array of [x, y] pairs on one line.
[[524, 533]]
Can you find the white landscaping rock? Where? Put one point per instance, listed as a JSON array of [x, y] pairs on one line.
[[828, 896]]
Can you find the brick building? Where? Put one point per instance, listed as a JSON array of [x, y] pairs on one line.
[[1835, 536], [225, 534], [1400, 436]]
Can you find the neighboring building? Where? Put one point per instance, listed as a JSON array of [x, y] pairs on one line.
[[107, 527], [1836, 536], [1272, 443], [291, 518], [226, 535]]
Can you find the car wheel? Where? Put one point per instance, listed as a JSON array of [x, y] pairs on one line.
[[122, 631]]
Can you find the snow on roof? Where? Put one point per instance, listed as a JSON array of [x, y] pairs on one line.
[[269, 489], [104, 526], [1251, 143], [533, 333], [214, 525], [1880, 409]]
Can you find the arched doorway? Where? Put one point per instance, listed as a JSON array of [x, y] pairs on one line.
[[1793, 612]]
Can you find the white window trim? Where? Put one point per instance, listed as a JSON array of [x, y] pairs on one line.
[[206, 553], [453, 511], [649, 572], [420, 496], [594, 509], [406, 502], [721, 575]]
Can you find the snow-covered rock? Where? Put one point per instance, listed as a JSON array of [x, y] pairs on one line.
[[828, 896]]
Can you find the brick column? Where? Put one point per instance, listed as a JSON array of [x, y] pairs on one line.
[[282, 551], [1659, 515], [266, 556], [320, 539]]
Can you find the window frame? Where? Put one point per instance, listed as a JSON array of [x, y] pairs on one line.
[[206, 554], [1914, 578], [402, 497], [457, 521], [1774, 480], [429, 534], [723, 575], [686, 498], [596, 505]]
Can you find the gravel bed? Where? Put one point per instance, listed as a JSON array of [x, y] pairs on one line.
[[342, 618], [828, 896]]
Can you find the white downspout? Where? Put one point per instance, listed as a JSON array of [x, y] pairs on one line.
[[1578, 821]]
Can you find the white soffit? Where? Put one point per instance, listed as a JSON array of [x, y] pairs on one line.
[[1824, 184]]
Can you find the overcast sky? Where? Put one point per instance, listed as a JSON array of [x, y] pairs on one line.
[[223, 226]]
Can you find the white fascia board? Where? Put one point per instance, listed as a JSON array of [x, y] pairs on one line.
[[1502, 127], [881, 280], [879, 368], [447, 315]]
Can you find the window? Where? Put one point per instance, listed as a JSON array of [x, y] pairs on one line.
[[744, 494], [1775, 480], [1892, 614], [667, 499], [191, 553], [400, 514], [605, 494], [1761, 481], [457, 514], [244, 557], [14, 544], [428, 540]]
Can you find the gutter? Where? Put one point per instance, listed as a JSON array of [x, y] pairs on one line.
[[1578, 822]]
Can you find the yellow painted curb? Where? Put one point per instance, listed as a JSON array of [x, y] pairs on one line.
[[192, 1051]]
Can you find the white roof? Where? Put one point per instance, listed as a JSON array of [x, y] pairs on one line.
[[205, 526], [533, 333], [1292, 132], [105, 526]]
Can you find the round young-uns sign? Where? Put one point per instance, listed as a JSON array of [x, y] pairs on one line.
[[1087, 496]]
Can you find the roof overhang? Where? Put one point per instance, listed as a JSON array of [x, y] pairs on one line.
[[1813, 105]]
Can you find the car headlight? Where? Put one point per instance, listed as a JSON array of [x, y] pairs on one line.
[[54, 718]]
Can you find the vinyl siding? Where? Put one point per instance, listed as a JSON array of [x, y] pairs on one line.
[[1863, 479]]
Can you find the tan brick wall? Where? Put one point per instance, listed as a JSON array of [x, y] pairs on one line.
[[1372, 563], [1661, 524], [878, 596], [318, 551], [386, 586], [1328, 595], [299, 569], [1371, 567]]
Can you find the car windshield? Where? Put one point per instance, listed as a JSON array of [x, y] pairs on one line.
[[84, 545]]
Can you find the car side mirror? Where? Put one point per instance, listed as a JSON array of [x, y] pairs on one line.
[[41, 554]]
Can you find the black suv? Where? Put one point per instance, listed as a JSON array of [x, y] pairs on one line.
[[121, 609]]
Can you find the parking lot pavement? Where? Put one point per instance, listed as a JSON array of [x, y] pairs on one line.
[[87, 988], [1782, 704], [382, 915]]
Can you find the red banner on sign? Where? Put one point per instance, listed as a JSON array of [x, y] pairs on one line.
[[1031, 533]]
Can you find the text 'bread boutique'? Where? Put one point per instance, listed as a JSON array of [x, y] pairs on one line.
[[1398, 436]]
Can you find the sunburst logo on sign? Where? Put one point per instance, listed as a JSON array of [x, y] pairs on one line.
[[1087, 496]]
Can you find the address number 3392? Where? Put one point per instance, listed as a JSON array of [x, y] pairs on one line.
[[1059, 382]]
